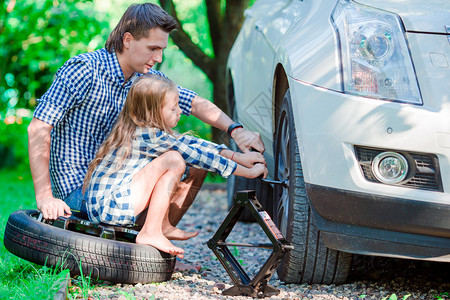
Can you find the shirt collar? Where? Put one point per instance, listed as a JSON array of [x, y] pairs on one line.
[[114, 67]]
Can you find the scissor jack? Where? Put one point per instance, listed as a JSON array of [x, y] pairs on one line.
[[243, 285]]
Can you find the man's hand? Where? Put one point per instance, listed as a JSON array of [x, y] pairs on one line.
[[39, 151], [52, 208], [246, 140]]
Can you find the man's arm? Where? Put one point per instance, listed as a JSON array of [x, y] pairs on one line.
[[209, 113], [39, 153]]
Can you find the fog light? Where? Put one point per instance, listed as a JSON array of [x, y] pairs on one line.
[[390, 167]]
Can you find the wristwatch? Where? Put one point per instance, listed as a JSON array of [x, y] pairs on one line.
[[233, 127]]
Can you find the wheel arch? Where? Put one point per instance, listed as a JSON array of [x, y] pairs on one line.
[[280, 86], [229, 87]]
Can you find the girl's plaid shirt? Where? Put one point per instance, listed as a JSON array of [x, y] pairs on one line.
[[107, 194]]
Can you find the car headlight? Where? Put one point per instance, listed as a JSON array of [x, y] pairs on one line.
[[375, 57]]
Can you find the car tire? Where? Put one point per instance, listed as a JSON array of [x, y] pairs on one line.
[[311, 261], [101, 258]]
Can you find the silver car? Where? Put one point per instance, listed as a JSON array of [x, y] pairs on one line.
[[352, 100]]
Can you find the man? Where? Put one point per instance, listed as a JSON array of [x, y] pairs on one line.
[[76, 114]]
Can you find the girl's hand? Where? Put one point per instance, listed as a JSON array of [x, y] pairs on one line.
[[249, 159], [258, 170]]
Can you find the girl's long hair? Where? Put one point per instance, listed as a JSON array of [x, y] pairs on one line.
[[143, 108]]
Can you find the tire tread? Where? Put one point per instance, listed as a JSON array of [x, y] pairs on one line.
[[105, 259], [311, 261]]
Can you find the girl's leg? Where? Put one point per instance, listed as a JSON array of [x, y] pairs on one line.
[[152, 188], [173, 233]]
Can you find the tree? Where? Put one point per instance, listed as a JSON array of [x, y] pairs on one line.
[[225, 19], [36, 38]]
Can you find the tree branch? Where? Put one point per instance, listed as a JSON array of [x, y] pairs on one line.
[[184, 42], [234, 17], [215, 20]]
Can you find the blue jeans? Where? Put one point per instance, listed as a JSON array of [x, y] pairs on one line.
[[77, 204]]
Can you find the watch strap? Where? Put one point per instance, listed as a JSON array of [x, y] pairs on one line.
[[233, 127]]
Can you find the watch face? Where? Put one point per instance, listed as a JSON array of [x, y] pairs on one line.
[[233, 127]]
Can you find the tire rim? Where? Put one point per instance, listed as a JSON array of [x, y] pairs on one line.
[[283, 158], [118, 233]]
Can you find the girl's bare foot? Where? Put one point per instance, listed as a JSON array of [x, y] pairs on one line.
[[173, 233], [160, 242]]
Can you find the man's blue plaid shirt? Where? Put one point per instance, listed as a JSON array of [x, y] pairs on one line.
[[108, 194], [82, 104]]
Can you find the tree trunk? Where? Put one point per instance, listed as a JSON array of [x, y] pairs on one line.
[[220, 99], [224, 27]]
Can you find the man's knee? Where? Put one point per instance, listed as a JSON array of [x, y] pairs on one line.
[[198, 174]]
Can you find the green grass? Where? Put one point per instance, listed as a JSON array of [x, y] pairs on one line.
[[20, 279]]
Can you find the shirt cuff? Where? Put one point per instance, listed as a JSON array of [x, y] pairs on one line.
[[229, 169], [49, 112], [221, 147], [186, 96]]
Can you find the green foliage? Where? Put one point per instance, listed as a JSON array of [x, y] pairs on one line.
[[81, 287], [195, 22], [440, 296], [125, 295], [17, 193], [36, 38], [13, 138]]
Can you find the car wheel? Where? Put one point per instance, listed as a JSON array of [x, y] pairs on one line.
[[236, 183], [101, 258], [310, 261]]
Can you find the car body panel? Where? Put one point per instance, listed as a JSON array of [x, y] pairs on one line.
[[341, 121], [422, 16]]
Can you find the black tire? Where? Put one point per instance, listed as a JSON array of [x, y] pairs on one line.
[[311, 261], [103, 259]]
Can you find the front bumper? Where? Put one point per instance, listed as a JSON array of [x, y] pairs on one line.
[[378, 225], [356, 214], [329, 125]]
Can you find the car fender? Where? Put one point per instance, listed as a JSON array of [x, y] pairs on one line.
[[311, 62]]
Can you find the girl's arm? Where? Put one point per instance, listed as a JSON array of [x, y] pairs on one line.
[[196, 152], [247, 159], [253, 172], [249, 165], [210, 156]]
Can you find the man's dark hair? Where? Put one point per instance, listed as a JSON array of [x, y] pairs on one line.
[[138, 19]]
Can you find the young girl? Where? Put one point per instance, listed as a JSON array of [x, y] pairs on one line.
[[141, 162]]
